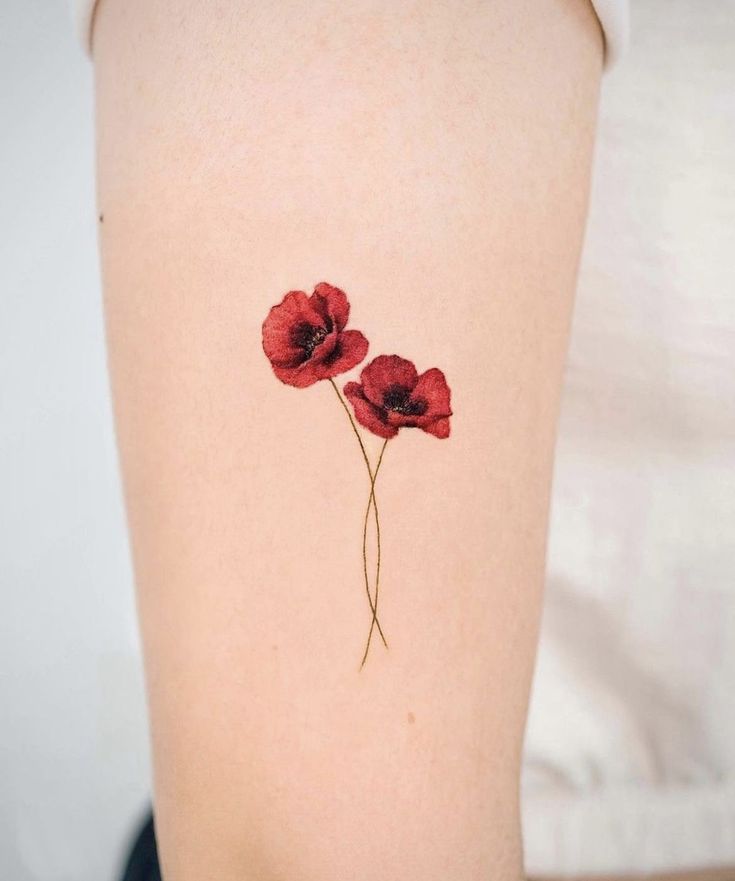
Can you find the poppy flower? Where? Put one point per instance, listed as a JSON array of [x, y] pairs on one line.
[[305, 340], [392, 395]]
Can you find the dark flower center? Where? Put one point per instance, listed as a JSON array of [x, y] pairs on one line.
[[307, 337], [398, 398]]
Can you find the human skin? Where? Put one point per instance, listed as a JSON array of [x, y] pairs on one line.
[[432, 160]]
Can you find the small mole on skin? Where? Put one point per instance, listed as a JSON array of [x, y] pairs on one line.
[[102, 218], [411, 718]]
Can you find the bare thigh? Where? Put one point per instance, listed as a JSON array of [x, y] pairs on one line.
[[432, 160]]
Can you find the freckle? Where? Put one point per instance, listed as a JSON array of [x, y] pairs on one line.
[[102, 218], [274, 647], [411, 718]]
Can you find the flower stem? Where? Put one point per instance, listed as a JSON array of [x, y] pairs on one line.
[[372, 502]]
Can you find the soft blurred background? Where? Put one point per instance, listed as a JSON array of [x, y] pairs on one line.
[[630, 759]]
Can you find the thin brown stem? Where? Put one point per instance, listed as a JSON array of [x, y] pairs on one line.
[[364, 551], [372, 502]]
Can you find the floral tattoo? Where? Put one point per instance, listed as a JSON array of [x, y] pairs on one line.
[[305, 340]]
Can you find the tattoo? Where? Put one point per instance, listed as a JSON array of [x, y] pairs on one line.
[[305, 340]]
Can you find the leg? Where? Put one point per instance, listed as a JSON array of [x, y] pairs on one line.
[[432, 160]]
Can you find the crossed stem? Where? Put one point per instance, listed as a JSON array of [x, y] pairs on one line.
[[372, 503], [372, 500]]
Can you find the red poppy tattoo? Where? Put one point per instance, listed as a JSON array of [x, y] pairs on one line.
[[305, 340], [305, 337], [391, 395]]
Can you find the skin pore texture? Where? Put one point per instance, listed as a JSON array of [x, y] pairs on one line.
[[432, 161]]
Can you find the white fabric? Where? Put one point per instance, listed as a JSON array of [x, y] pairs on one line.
[[613, 16], [630, 749], [83, 12]]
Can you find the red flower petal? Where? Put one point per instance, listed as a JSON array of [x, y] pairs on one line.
[[439, 428], [350, 348], [278, 345], [432, 387], [301, 377], [368, 415], [393, 417], [386, 371], [335, 303]]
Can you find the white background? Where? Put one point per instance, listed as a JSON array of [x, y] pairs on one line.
[[73, 748], [630, 754]]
